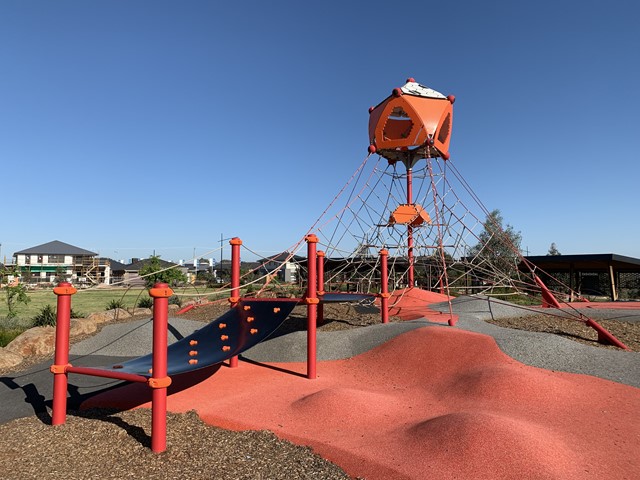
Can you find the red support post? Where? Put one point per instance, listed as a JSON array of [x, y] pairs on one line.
[[159, 380], [64, 290], [312, 305], [410, 273], [384, 285], [320, 291], [235, 283]]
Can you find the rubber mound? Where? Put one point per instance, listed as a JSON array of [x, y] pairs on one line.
[[434, 402], [413, 303]]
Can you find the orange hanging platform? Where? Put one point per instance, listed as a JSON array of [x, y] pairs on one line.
[[413, 122], [409, 214]]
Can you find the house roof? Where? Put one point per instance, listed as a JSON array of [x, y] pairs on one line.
[[115, 265], [282, 257], [56, 248]]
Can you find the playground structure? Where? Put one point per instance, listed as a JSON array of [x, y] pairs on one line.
[[404, 229], [248, 322]]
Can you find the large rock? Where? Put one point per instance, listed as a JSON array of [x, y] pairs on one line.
[[109, 315], [138, 311], [82, 326], [35, 341], [9, 359]]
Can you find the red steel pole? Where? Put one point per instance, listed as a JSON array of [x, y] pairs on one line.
[[64, 290], [320, 291], [159, 380], [235, 283], [312, 305], [384, 285], [410, 272]]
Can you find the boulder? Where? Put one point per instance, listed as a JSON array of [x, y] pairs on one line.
[[142, 311], [9, 359], [119, 314], [82, 326], [109, 315], [100, 317], [35, 341]]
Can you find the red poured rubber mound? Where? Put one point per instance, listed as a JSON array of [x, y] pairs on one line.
[[431, 403], [413, 303]]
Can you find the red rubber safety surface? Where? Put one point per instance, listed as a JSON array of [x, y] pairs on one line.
[[413, 303], [435, 402]]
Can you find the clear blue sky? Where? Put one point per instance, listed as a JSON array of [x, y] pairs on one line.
[[133, 126]]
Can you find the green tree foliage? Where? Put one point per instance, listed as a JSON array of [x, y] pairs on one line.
[[153, 273], [13, 294], [553, 251], [498, 247]]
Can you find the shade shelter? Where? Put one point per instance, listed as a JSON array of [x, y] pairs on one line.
[[602, 274]]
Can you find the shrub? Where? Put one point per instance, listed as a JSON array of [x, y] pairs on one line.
[[175, 300], [145, 302], [7, 335], [45, 317], [113, 304], [76, 314]]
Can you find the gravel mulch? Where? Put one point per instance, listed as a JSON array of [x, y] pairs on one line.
[[627, 332]]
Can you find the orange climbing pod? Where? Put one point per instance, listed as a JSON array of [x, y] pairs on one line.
[[413, 122], [250, 319], [247, 307], [226, 348], [409, 214], [193, 353], [193, 342], [253, 331], [276, 309], [193, 361], [224, 337], [222, 325]]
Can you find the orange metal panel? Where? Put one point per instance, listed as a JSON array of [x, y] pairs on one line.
[[409, 214], [406, 121]]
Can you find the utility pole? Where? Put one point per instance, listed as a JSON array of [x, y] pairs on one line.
[[221, 240]]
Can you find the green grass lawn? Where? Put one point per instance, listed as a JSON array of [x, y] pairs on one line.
[[83, 303]]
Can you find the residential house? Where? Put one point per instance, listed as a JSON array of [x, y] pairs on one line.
[[285, 265], [56, 261]]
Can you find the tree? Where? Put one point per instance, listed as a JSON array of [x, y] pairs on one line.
[[498, 248], [152, 272], [553, 251], [15, 292]]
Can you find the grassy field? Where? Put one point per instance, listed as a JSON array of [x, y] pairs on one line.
[[82, 303]]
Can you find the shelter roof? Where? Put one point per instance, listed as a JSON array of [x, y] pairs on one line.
[[585, 262]]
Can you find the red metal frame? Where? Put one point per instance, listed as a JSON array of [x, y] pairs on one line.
[[235, 283], [320, 291], [384, 285], [312, 305], [64, 290], [158, 382], [160, 294]]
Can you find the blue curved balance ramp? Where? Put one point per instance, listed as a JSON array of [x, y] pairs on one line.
[[345, 297], [242, 327]]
